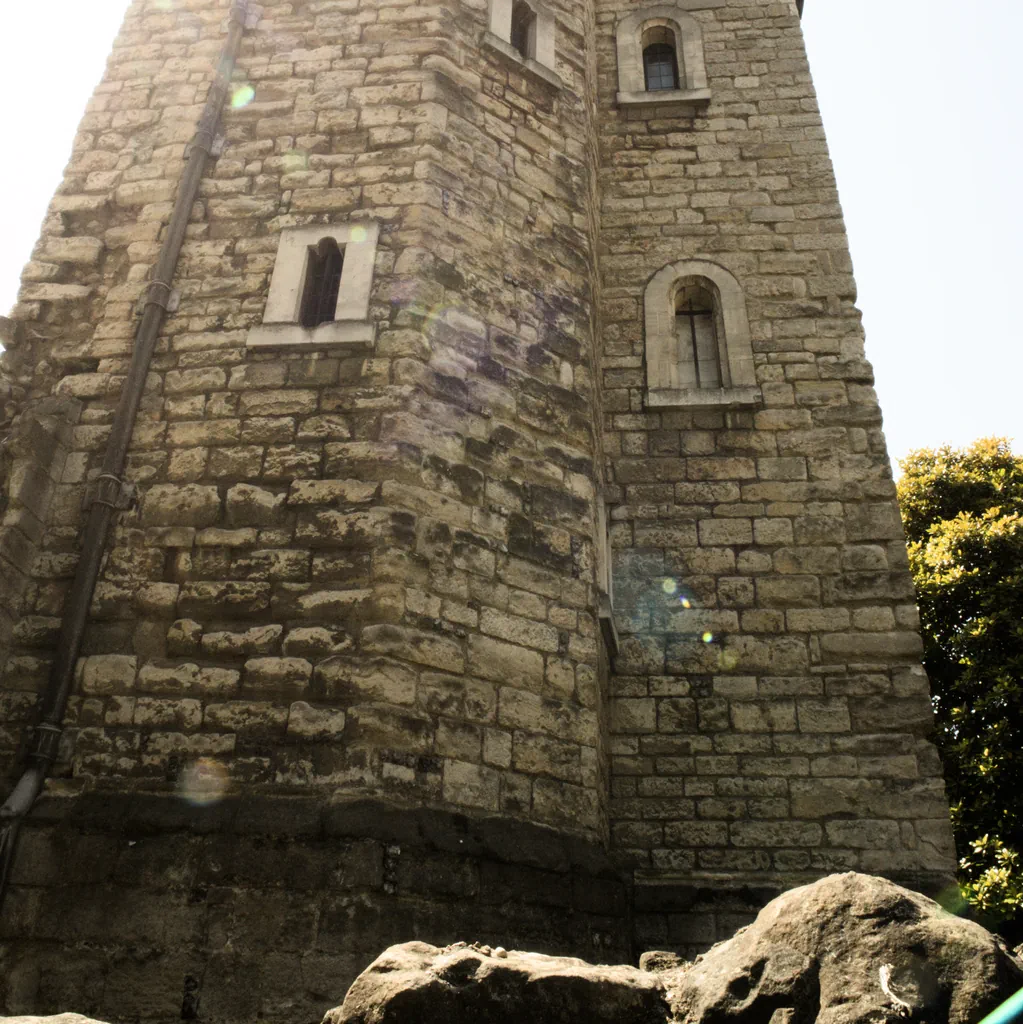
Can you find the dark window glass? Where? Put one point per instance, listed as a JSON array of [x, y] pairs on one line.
[[322, 282], [660, 67], [695, 320], [522, 32]]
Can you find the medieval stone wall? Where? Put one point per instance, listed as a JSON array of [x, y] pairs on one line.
[[140, 908], [369, 568], [769, 710]]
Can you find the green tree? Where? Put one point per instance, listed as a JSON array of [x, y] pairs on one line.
[[963, 511]]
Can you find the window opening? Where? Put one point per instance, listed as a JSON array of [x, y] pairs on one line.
[[694, 319], [523, 29], [660, 59], [323, 282]]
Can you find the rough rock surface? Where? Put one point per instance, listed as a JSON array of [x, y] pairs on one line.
[[57, 1018], [847, 950], [850, 949], [421, 983]]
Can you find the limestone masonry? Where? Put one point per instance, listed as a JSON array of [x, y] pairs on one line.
[[512, 552]]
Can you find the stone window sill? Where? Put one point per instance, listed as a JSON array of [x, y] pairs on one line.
[[697, 398], [339, 333], [531, 67], [665, 97]]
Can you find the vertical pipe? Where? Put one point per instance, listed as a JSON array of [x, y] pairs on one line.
[[46, 740]]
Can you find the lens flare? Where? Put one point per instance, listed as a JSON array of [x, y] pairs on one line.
[[708, 637], [203, 782], [357, 234], [242, 97], [669, 586], [1010, 1010], [685, 602], [952, 901], [295, 160], [728, 661]]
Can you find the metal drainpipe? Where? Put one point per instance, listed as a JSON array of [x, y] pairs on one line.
[[110, 485]]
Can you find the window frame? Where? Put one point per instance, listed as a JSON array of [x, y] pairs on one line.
[[665, 356], [694, 89], [541, 64], [282, 326], [670, 51]]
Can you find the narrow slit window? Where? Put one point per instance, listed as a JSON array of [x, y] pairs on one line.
[[697, 333], [523, 29], [660, 59], [323, 282]]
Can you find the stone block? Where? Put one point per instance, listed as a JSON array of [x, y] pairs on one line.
[[181, 505], [505, 663], [882, 647], [518, 630], [277, 674], [392, 728], [417, 646], [763, 716], [793, 591], [108, 674], [307, 722], [249, 505], [824, 716], [471, 785]]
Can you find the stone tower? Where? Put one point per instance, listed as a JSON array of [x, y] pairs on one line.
[[504, 544]]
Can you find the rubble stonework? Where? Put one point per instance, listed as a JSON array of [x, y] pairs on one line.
[[372, 569]]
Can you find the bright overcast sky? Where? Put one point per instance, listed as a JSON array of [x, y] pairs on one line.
[[921, 101]]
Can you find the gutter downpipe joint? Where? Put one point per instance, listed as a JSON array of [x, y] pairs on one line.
[[47, 735]]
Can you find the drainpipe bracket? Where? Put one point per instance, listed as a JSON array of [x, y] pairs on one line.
[[46, 744], [212, 145], [159, 293], [112, 491]]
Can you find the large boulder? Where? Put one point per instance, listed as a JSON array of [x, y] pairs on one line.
[[850, 949], [420, 984]]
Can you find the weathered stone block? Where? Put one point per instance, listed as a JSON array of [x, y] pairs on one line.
[[181, 505]]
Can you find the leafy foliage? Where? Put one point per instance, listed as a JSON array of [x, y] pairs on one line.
[[963, 511], [992, 881]]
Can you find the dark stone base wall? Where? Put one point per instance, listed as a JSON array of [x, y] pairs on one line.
[[148, 909]]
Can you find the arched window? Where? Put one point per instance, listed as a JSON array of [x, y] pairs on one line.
[[696, 324], [523, 29], [699, 351], [322, 282], [660, 59]]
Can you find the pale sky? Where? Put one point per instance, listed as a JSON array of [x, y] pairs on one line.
[[921, 102]]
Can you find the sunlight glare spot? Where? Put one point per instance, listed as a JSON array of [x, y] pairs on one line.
[[242, 97], [203, 782]]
